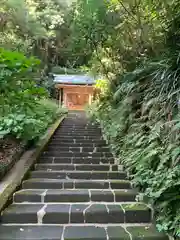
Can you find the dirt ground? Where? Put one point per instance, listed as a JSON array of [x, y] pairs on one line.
[[9, 147]]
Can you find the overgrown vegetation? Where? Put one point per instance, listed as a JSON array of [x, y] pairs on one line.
[[25, 111], [24, 114], [139, 106], [134, 45], [47, 29]]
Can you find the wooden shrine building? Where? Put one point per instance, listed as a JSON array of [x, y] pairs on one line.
[[74, 91]]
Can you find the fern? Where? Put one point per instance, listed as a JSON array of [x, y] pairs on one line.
[[136, 123]]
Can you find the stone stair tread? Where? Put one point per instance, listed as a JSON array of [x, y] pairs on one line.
[[95, 131], [38, 183], [83, 132], [64, 213], [72, 140], [79, 133], [90, 127], [80, 144], [80, 167], [77, 149], [70, 232], [78, 136], [79, 129], [77, 165], [77, 192], [77, 160], [76, 139], [89, 144], [77, 154], [30, 232], [78, 174], [75, 195]]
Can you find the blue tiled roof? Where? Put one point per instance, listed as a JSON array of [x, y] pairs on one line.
[[74, 79]]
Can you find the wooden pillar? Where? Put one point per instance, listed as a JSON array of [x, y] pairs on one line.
[[65, 99], [61, 96], [59, 89]]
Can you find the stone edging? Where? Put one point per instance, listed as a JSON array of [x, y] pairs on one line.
[[13, 179]]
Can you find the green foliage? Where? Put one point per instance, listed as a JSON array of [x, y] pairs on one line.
[[34, 27], [32, 124], [102, 85], [139, 112], [23, 113], [18, 88], [132, 44], [135, 122]]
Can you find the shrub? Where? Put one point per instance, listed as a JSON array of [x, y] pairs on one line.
[[25, 114], [31, 124]]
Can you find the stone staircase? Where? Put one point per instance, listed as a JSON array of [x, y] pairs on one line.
[[77, 192]]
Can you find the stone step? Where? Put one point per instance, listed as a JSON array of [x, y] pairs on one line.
[[78, 133], [76, 136], [79, 195], [77, 149], [72, 124], [72, 140], [35, 183], [72, 144], [77, 160], [77, 154], [78, 167], [83, 232], [85, 132], [77, 213], [83, 123], [78, 130], [71, 121], [79, 174], [78, 122]]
